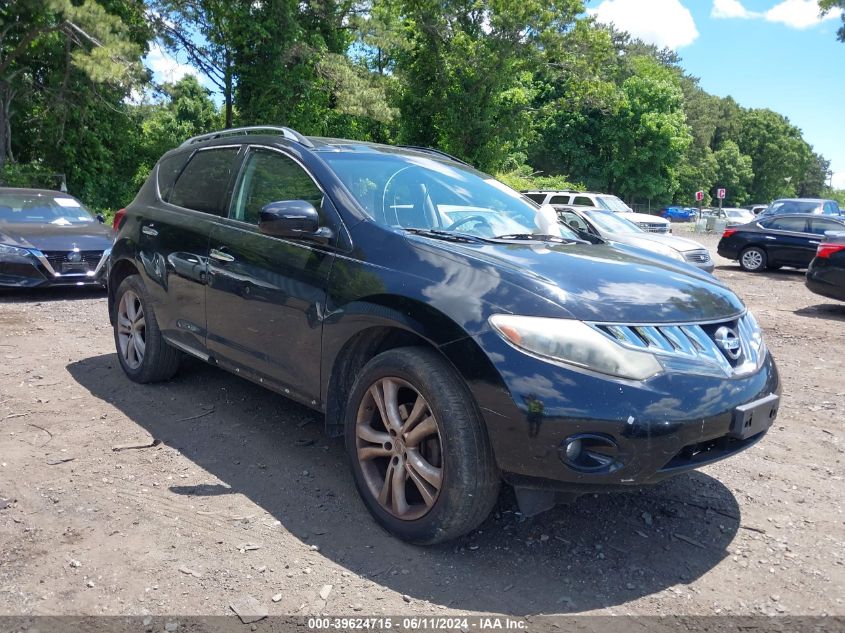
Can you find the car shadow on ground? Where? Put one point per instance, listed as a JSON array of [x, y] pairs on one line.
[[781, 274], [55, 293], [601, 551], [827, 311]]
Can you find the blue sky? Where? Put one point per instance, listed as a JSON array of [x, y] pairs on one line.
[[773, 54], [776, 54]]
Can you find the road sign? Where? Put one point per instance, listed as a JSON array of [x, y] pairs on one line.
[[699, 195], [720, 193]]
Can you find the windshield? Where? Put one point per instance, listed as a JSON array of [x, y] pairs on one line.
[[611, 223], [42, 208], [416, 192], [612, 203], [793, 206]]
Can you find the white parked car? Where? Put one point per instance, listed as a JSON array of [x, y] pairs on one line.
[[612, 227], [587, 199], [736, 216]]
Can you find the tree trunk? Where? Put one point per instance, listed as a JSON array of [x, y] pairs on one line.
[[227, 90], [6, 95]]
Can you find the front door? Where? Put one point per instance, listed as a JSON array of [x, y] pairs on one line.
[[266, 295]]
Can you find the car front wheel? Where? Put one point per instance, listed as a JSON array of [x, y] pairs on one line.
[[142, 351], [418, 447], [753, 259]]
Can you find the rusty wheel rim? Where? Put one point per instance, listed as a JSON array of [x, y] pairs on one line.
[[399, 448]]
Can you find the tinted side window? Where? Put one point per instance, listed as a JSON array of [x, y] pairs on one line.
[[270, 177], [536, 197], [559, 200], [202, 185], [789, 224], [819, 226], [168, 171], [583, 201]]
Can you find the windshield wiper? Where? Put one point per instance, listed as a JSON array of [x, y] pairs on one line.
[[539, 237], [446, 235]]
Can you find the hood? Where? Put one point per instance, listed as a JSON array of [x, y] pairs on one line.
[[644, 240], [585, 281], [643, 217], [91, 236]]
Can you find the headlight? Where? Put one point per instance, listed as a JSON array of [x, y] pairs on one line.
[[13, 254], [576, 343]]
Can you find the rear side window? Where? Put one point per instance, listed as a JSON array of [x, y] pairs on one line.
[[168, 171], [819, 226], [798, 225], [203, 183], [559, 200], [583, 201], [536, 197]]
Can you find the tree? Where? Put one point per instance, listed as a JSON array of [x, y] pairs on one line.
[[43, 39], [649, 135], [467, 73], [187, 110], [779, 154], [830, 5], [206, 31], [734, 172]]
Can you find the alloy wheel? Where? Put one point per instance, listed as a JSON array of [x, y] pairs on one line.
[[752, 259], [399, 448], [131, 329]]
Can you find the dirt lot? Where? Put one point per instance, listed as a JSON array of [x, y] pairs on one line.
[[244, 496]]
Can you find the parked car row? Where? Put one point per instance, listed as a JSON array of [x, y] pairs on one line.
[[586, 199]]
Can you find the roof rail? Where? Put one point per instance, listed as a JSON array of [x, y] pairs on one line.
[[287, 132], [431, 150]]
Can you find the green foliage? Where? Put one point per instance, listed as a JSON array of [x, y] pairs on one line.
[[830, 5], [734, 173], [523, 178]]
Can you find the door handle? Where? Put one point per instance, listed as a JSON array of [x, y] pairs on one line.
[[148, 230], [221, 256]]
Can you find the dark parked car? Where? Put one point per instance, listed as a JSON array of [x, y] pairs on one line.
[[775, 241], [826, 274], [50, 238], [454, 344], [813, 206]]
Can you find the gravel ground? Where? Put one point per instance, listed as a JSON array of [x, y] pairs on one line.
[[243, 497]]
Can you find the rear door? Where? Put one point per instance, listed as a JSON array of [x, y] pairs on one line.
[[266, 295], [788, 240], [173, 239]]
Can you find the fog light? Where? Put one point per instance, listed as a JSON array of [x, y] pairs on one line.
[[573, 450]]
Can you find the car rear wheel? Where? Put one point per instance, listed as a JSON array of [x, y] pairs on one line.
[[753, 259], [142, 351], [418, 447]]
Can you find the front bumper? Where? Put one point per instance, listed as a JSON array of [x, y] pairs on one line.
[[667, 425], [37, 271]]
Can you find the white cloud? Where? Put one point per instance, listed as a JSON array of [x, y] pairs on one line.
[[664, 23], [166, 67], [731, 9], [798, 14]]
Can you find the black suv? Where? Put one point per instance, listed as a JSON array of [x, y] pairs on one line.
[[452, 331]]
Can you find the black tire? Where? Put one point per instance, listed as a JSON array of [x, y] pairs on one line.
[[753, 259], [470, 478], [159, 361]]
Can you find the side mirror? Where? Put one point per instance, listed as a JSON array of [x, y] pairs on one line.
[[101, 218], [292, 218]]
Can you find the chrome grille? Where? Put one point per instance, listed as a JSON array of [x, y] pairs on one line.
[[692, 347], [654, 227], [701, 256]]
